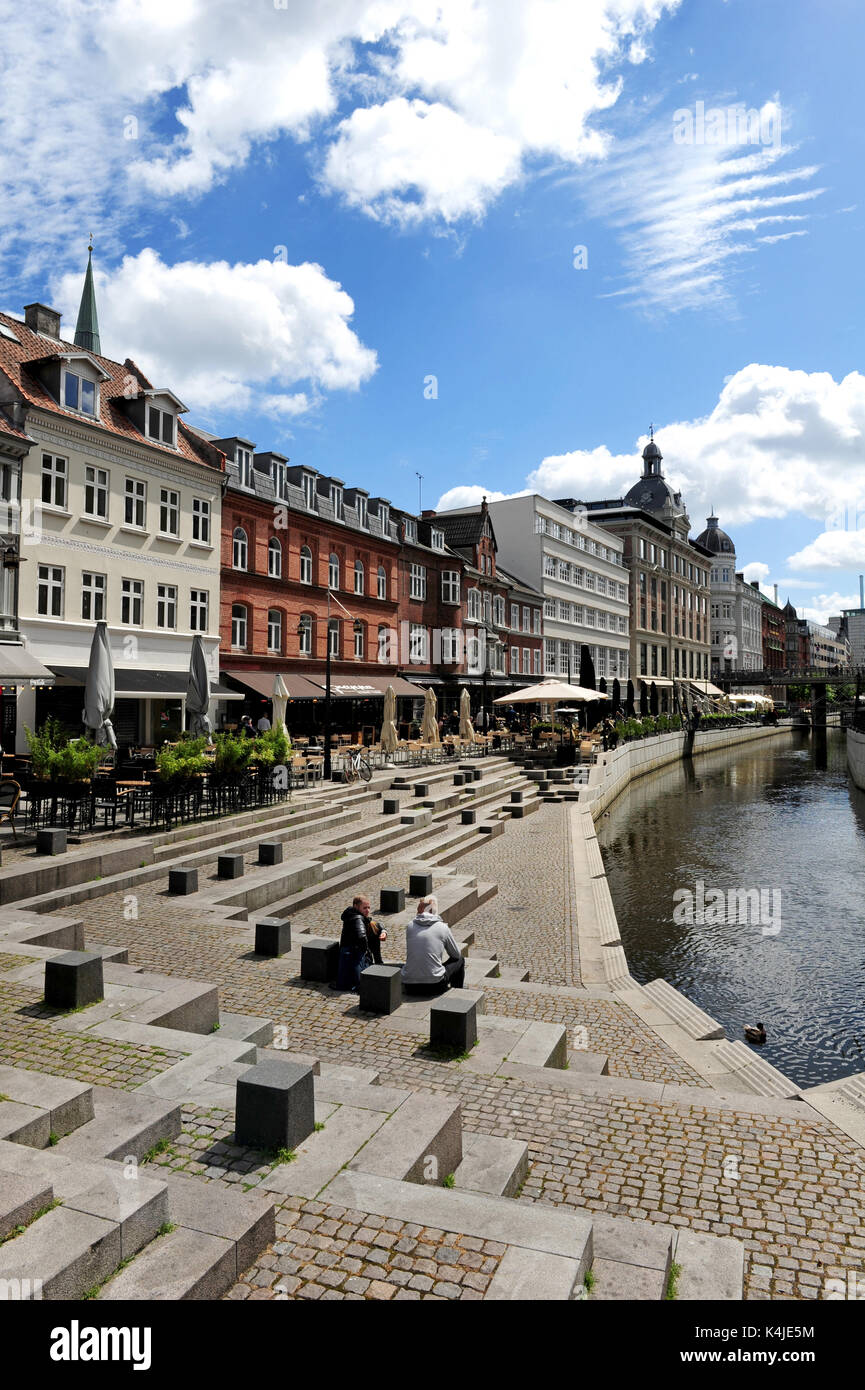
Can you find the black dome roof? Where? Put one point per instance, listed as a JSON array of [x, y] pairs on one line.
[[716, 540]]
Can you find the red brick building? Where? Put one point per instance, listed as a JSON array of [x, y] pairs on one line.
[[431, 645]]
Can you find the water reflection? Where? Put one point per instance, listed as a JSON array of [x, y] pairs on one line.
[[784, 818]]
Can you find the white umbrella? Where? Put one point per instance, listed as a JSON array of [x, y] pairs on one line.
[[99, 689], [198, 692], [389, 739], [429, 727], [550, 693], [467, 732], [279, 698]]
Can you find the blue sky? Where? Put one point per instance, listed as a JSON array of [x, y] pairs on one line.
[[304, 211]]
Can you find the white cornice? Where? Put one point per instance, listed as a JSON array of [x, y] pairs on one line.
[[117, 555], [63, 434]]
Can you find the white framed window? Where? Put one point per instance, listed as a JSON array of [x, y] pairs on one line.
[[305, 565], [381, 582], [198, 606], [450, 586], [488, 608], [239, 549], [549, 608], [451, 645], [93, 597], [55, 473], [358, 577], [550, 654], [527, 660], [437, 539], [384, 518], [309, 491], [417, 643], [499, 611], [160, 425], [244, 468], [169, 512], [274, 630], [383, 643], [238, 625], [564, 611], [304, 634], [579, 613], [550, 566], [333, 572], [135, 503], [51, 581], [96, 492], [536, 625], [333, 636], [515, 661], [410, 529], [537, 661], [360, 643], [474, 605], [201, 520], [362, 519], [274, 558], [515, 617], [166, 605], [79, 393], [132, 602], [336, 501], [417, 584]]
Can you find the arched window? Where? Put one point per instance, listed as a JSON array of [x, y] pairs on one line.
[[238, 625], [383, 643], [333, 572], [274, 630], [359, 641], [240, 549], [305, 565], [358, 577], [305, 634], [333, 636], [382, 582], [274, 558]]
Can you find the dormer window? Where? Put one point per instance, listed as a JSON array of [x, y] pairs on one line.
[[410, 528], [384, 515], [361, 511], [79, 393], [243, 459], [277, 472], [309, 491], [160, 425], [336, 501], [437, 540]]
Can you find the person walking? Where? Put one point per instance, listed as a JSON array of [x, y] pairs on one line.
[[426, 939]]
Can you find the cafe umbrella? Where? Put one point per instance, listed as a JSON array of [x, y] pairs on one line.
[[198, 692], [429, 728], [389, 739], [644, 701], [467, 733], [99, 689], [279, 699], [630, 709], [654, 700]]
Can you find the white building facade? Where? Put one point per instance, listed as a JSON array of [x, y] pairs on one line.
[[735, 610]]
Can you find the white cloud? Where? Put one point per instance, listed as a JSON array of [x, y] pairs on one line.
[[229, 338], [833, 550], [470, 496], [825, 606], [756, 569]]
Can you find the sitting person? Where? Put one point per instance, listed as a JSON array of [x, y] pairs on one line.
[[426, 938], [354, 949], [375, 935]]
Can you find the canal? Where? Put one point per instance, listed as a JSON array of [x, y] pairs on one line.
[[779, 817]]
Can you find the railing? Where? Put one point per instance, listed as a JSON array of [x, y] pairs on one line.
[[797, 675]]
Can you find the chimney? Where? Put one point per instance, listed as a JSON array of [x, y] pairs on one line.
[[776, 594], [755, 583], [427, 514], [42, 320]]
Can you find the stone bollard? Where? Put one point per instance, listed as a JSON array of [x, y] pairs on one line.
[[271, 852], [319, 959], [51, 841], [390, 805], [229, 866], [380, 989], [183, 881], [420, 885], [516, 797], [74, 980], [391, 900], [274, 1106], [459, 779], [422, 789], [469, 817], [272, 936], [453, 1021]]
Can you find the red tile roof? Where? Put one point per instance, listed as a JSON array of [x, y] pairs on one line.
[[32, 347], [7, 427]]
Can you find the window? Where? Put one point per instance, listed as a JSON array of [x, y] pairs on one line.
[[169, 512], [358, 577], [536, 626], [135, 504], [360, 642], [550, 569], [527, 658], [417, 585], [417, 643], [537, 661], [644, 659], [132, 602], [274, 630], [244, 468], [274, 558], [384, 518], [166, 605], [642, 549], [280, 483], [333, 572], [451, 639], [239, 549], [383, 643], [549, 607], [336, 501], [515, 617], [304, 634], [382, 582], [565, 571], [333, 636], [550, 647], [361, 512], [410, 528], [527, 619], [54, 475], [160, 425], [79, 393], [474, 605], [564, 611], [499, 611], [201, 520], [515, 661], [309, 491], [49, 599], [198, 610], [305, 565], [437, 539], [96, 492], [450, 586], [93, 597], [238, 625], [488, 609]]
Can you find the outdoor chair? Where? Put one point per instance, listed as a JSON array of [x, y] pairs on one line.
[[10, 795], [107, 798]]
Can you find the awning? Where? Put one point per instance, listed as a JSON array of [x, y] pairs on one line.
[[261, 683], [370, 687], [136, 684], [20, 667], [659, 681], [705, 687]]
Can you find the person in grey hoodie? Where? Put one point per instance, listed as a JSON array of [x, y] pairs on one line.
[[427, 939]]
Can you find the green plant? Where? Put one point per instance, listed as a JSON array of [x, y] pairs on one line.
[[272, 748], [673, 1281], [166, 1228], [589, 1280], [53, 1139], [284, 1156], [53, 757], [216, 1027], [319, 1125], [160, 1147], [448, 1180], [232, 754], [180, 764]]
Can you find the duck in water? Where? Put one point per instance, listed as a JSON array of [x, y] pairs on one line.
[[755, 1034]]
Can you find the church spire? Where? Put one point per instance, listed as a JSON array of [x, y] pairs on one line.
[[87, 327]]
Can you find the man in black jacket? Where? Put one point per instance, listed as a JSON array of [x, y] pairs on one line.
[[353, 943]]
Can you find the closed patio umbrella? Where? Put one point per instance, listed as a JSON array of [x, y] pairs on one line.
[[467, 732], [630, 709], [429, 728], [279, 699], [617, 695], [99, 689], [389, 739], [587, 670], [644, 701], [654, 700], [198, 692]]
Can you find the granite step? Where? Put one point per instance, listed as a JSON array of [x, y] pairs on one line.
[[124, 1124], [71, 1250], [183, 1264], [697, 1024], [752, 1073], [495, 1166], [21, 1197]]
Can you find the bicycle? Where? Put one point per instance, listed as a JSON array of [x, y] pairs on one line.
[[354, 766]]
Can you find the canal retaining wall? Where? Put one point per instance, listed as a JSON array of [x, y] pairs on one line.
[[856, 757]]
